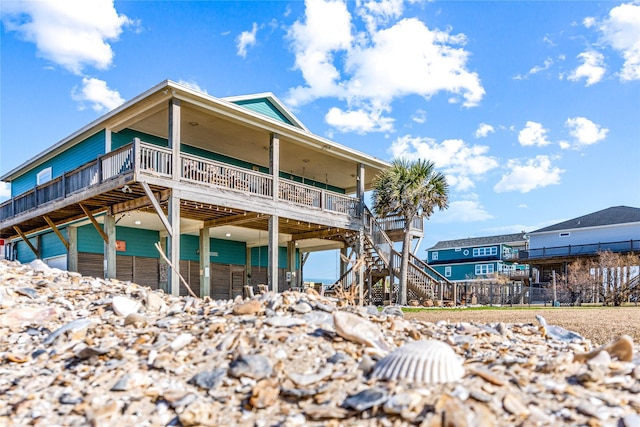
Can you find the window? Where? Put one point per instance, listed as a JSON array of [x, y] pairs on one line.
[[458, 249], [447, 272], [567, 234], [434, 256], [493, 250], [484, 269], [43, 176]]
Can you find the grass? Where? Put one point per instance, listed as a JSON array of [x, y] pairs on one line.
[[599, 324]]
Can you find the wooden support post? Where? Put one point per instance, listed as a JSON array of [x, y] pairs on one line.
[[94, 222], [174, 243], [110, 246], [157, 208], [205, 262], [360, 263], [174, 137], [272, 263], [291, 263], [26, 240], [274, 164], [55, 230], [72, 250], [248, 266], [360, 190], [163, 277]]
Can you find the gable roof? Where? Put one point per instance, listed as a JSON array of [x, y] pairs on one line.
[[267, 104], [480, 241], [609, 216]]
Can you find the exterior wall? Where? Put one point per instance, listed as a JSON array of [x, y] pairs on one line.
[[84, 152], [223, 251], [464, 271], [463, 255], [126, 136], [260, 257], [613, 233], [264, 107], [139, 242]]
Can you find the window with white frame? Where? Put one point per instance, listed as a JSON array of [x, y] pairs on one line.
[[447, 271], [484, 269], [493, 250], [434, 256], [565, 234], [43, 176]]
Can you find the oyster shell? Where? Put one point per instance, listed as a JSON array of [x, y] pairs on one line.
[[426, 362]]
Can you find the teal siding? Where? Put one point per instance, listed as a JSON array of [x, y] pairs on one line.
[[226, 251], [264, 107], [24, 253], [260, 257], [139, 242], [461, 256], [125, 136], [73, 157], [52, 245], [466, 271], [89, 240]]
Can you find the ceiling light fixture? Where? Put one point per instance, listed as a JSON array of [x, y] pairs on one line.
[[228, 234], [137, 222], [194, 124]]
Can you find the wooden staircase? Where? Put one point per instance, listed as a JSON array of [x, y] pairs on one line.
[[381, 259]]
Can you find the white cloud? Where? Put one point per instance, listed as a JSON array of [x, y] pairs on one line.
[[463, 211], [71, 33], [192, 84], [97, 93], [527, 176], [360, 121], [621, 30], [533, 134], [5, 191], [592, 68], [246, 39], [538, 68], [585, 131], [388, 60], [420, 116], [589, 21], [484, 130], [462, 164]]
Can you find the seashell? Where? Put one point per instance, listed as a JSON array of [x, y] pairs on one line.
[[622, 348], [208, 379], [557, 332], [27, 292], [76, 325], [355, 328], [250, 307], [284, 321], [180, 341], [124, 306], [252, 366], [307, 379], [426, 362], [366, 399], [393, 310]]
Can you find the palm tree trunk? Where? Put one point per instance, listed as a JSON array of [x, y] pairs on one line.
[[404, 264]]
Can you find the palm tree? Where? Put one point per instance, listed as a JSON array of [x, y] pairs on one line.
[[412, 189]]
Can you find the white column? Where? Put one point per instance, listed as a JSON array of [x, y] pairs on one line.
[[110, 246], [205, 263], [272, 268], [274, 163], [174, 135], [174, 242]]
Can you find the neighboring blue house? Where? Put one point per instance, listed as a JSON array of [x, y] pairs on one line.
[[552, 248], [478, 257]]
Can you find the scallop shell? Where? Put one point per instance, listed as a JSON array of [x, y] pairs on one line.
[[425, 362], [124, 306]]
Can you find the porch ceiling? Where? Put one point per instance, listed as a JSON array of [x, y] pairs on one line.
[[213, 132]]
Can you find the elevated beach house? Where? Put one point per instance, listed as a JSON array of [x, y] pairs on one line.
[[235, 191], [553, 248]]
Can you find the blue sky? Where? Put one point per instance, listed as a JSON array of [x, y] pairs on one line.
[[531, 109]]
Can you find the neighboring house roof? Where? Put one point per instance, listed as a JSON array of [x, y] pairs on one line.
[[268, 105], [480, 241], [609, 216]]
